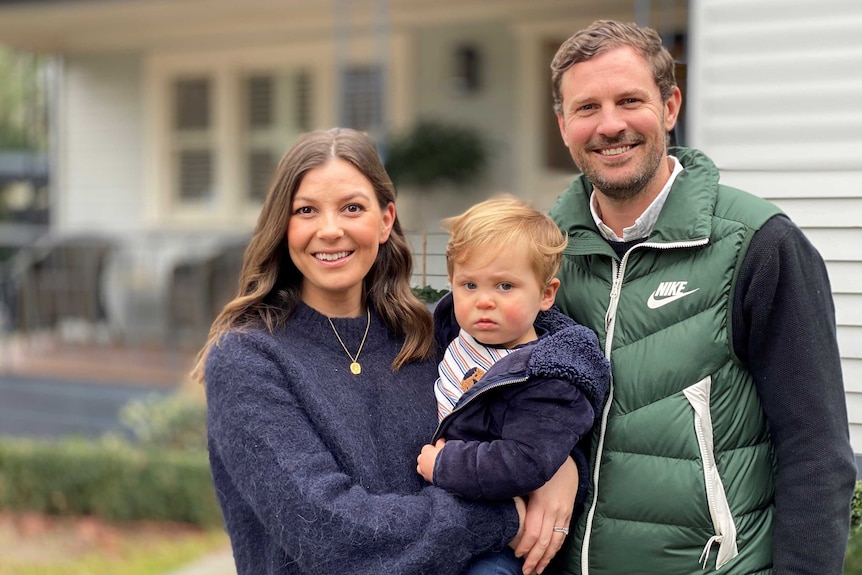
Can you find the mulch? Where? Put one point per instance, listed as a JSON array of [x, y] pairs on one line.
[[35, 538]]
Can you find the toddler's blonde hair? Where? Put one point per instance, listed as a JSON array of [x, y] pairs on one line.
[[491, 227]]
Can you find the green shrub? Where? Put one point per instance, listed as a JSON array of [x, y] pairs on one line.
[[176, 421], [434, 153], [428, 294], [110, 478], [853, 558], [856, 507]]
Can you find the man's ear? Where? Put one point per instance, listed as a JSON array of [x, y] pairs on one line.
[[671, 109], [562, 125]]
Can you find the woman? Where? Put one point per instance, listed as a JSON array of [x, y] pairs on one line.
[[319, 396]]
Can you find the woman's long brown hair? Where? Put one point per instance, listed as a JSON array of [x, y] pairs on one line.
[[269, 283]]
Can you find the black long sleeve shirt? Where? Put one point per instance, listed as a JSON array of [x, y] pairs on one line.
[[784, 330]]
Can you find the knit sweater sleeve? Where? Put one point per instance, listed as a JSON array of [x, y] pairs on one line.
[[268, 457], [784, 329]]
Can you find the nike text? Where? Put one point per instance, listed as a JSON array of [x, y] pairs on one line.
[[668, 292]]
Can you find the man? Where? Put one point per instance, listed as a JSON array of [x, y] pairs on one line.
[[724, 442]]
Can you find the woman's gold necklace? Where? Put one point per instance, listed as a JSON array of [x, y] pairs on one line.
[[355, 368]]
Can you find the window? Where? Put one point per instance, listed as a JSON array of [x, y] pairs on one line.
[[277, 110], [195, 174], [192, 139], [557, 155], [192, 104], [219, 172], [679, 50], [361, 107]]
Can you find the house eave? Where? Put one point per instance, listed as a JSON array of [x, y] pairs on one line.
[[68, 26], [134, 25]]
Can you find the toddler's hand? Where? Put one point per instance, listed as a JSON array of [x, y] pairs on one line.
[[426, 459]]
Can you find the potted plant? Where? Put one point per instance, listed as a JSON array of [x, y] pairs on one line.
[[435, 154]]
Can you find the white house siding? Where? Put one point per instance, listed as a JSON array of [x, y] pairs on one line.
[[774, 88], [101, 145]]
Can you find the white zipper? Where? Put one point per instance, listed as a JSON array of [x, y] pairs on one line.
[[610, 322], [719, 509], [706, 454]]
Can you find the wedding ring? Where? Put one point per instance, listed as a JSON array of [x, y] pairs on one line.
[[563, 530]]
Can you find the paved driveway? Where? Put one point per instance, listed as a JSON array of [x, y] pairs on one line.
[[36, 407]]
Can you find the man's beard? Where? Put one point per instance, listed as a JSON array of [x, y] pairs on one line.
[[633, 186]]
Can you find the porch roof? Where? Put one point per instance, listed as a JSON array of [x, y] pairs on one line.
[[61, 26]]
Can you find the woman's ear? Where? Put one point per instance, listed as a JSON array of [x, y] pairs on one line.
[[388, 221]]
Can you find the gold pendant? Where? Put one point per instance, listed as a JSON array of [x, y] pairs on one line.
[[355, 368]]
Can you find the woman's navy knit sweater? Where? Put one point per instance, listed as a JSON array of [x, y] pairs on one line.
[[315, 468]]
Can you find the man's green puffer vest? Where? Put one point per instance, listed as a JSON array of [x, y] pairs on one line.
[[681, 460]]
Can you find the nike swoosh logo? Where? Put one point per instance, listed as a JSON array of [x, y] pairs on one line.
[[653, 303]]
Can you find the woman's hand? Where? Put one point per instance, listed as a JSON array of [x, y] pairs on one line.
[[547, 507], [427, 458], [521, 507]]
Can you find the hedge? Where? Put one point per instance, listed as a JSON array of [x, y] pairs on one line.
[[110, 477], [117, 480], [856, 507]]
